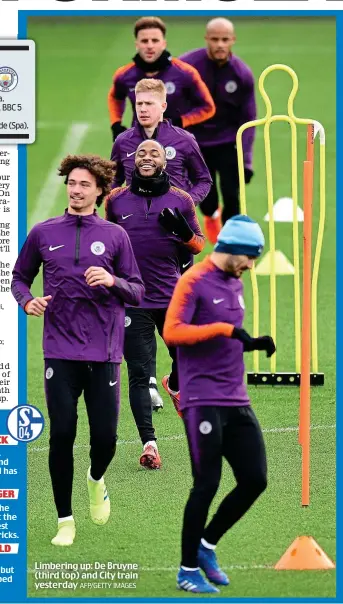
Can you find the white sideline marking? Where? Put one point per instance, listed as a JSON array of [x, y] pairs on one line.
[[48, 195], [137, 441]]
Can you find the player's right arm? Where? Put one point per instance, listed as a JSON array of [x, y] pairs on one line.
[[180, 331], [178, 327], [116, 100], [25, 270]]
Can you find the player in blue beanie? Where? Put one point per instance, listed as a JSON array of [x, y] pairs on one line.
[[205, 321]]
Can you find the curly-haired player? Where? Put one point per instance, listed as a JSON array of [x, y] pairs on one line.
[[89, 273]]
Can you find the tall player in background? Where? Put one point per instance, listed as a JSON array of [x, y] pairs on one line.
[[231, 84], [189, 101], [185, 166]]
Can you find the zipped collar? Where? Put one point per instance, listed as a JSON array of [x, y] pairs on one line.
[[75, 218], [139, 129]]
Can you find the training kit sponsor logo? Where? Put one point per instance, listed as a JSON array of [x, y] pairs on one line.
[[127, 216], [129, 154], [241, 301], [49, 373], [97, 248], [52, 248], [205, 427], [231, 86], [127, 321], [8, 79], [218, 300], [170, 152], [170, 87]]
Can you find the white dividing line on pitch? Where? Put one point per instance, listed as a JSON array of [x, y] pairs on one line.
[[182, 437], [48, 195]]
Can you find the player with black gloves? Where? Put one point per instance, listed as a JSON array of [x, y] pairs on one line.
[[159, 219], [185, 166], [204, 320]]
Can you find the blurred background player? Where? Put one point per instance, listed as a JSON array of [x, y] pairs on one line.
[[89, 273], [185, 166], [231, 84], [158, 219], [189, 101], [204, 321]]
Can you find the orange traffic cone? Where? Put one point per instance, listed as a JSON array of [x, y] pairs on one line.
[[304, 554]]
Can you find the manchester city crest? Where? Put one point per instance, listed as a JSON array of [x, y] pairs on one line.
[[231, 86], [8, 79], [170, 152], [170, 87], [97, 248]]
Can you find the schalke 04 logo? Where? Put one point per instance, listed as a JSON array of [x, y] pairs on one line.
[[8, 79], [25, 423]]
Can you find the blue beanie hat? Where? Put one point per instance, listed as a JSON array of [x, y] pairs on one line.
[[240, 235]]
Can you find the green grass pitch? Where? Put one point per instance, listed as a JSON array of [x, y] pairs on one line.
[[76, 58]]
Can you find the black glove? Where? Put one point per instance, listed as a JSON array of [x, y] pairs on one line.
[[249, 344], [176, 224], [248, 174], [177, 121], [117, 129]]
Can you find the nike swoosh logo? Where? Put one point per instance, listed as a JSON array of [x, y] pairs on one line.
[[187, 263], [113, 383], [55, 247], [216, 301], [129, 154], [125, 217]]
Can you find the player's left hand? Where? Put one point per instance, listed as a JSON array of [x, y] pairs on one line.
[[96, 275], [248, 174], [265, 343], [176, 223], [249, 344]]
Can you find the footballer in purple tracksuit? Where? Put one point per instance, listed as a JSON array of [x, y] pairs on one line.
[[185, 166], [189, 101], [158, 219], [231, 84], [204, 321], [89, 275]]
